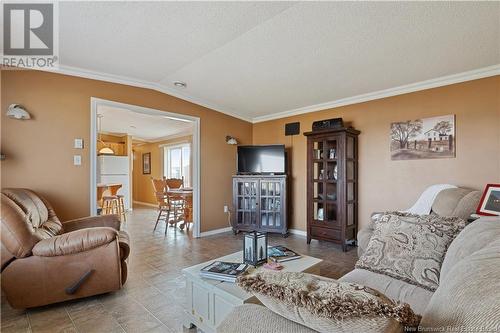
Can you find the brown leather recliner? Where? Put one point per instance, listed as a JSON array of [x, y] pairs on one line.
[[45, 261]]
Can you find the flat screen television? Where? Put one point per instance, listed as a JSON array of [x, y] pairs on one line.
[[268, 159]]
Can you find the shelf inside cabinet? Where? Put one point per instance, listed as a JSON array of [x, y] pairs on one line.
[[325, 200], [324, 181]]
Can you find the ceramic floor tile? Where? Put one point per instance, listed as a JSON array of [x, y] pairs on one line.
[[153, 299], [91, 316], [53, 318], [18, 324]]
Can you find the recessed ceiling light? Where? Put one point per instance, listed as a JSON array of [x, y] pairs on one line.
[[180, 84]]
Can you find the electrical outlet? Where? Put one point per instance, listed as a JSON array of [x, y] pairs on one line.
[[226, 209], [78, 144], [77, 159]]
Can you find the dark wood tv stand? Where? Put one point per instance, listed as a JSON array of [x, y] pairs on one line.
[[260, 203]]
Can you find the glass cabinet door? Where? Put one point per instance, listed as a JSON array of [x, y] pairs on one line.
[[246, 202], [324, 174], [270, 204], [351, 175]]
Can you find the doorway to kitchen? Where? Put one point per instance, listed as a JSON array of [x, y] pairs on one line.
[[134, 148]]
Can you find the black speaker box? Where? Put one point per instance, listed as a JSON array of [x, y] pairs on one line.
[[292, 128]]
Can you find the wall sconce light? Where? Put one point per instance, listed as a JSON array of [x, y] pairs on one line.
[[231, 141], [16, 111]]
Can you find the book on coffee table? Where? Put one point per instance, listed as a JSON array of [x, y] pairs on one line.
[[281, 253], [223, 271]]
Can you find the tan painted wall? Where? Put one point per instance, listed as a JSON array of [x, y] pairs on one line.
[[40, 151], [143, 189], [386, 184], [112, 138]]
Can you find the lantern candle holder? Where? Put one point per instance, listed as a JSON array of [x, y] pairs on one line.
[[255, 248]]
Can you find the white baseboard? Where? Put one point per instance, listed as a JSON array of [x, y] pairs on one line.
[[215, 231], [145, 204], [298, 232]]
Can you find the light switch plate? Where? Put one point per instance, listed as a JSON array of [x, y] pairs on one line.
[[78, 144], [77, 159]]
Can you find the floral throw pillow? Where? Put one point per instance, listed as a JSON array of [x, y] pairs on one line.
[[410, 247]]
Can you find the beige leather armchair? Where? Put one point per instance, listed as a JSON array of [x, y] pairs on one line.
[[45, 261]]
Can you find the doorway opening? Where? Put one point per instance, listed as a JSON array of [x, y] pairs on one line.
[[130, 147]]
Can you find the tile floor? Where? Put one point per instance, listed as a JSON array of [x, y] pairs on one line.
[[153, 297]]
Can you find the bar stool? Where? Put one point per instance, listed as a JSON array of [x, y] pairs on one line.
[[110, 205], [121, 207], [113, 188]]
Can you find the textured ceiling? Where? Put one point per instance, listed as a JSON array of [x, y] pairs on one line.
[[140, 126], [256, 59]]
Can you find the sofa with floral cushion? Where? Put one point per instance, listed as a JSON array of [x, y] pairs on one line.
[[466, 297]]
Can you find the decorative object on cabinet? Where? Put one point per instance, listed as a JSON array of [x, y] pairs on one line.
[[423, 138], [255, 248], [332, 199], [490, 201], [16, 111], [260, 203], [328, 124]]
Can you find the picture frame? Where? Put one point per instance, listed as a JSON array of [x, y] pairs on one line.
[[146, 163], [489, 205], [332, 154], [425, 138]]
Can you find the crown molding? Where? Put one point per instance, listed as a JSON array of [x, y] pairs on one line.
[[94, 75], [173, 136], [146, 141], [404, 89], [118, 135]]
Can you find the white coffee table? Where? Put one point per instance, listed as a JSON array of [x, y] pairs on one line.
[[210, 301]]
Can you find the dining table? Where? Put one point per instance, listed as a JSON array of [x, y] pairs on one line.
[[185, 194]]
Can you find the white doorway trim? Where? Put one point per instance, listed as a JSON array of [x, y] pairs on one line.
[[95, 103]]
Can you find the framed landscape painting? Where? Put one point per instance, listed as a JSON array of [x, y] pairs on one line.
[[423, 138], [146, 163]]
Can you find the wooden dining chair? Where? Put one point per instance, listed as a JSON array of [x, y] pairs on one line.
[[174, 183], [187, 212], [164, 207], [176, 201]]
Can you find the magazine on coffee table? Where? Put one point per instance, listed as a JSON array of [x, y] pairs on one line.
[[281, 253], [223, 271]]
